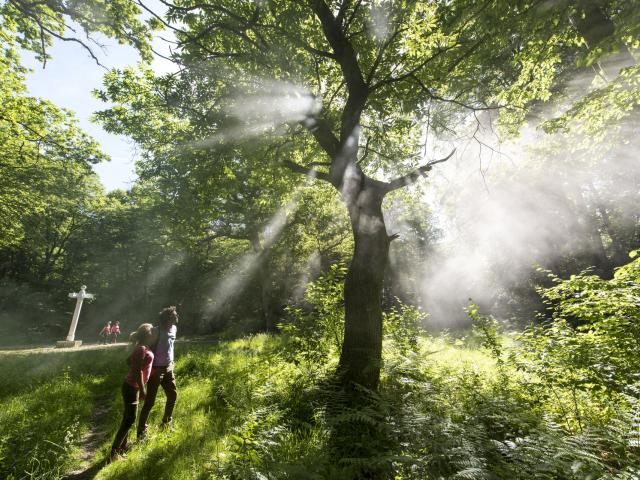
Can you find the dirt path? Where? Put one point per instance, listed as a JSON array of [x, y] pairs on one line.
[[22, 349], [51, 349], [91, 440]]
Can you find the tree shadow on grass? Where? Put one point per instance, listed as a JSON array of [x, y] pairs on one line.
[[87, 474], [359, 443], [351, 423]]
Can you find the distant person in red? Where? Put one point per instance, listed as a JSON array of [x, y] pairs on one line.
[[105, 332], [115, 331], [133, 387], [162, 373]]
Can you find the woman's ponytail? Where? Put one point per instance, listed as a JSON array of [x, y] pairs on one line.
[[142, 334]]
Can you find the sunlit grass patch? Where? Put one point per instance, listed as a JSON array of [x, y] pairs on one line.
[[455, 355], [176, 453], [36, 443], [23, 370]]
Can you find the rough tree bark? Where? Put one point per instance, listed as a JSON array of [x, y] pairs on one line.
[[361, 354]]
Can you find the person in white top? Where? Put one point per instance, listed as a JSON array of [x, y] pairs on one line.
[[162, 371]]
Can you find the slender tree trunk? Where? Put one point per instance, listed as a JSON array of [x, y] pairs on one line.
[[268, 316], [595, 253], [619, 253], [361, 355], [264, 282]]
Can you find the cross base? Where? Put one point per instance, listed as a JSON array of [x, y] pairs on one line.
[[68, 343]]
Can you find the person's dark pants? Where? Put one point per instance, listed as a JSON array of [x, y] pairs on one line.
[[130, 397], [160, 376]]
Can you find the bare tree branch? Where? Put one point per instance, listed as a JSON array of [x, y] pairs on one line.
[[435, 96], [24, 9], [413, 71], [411, 177], [380, 54], [310, 172]]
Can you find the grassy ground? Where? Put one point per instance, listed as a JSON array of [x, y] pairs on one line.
[[49, 399], [248, 410], [56, 404]]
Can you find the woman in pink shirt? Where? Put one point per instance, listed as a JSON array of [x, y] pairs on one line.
[[115, 331], [105, 332], [133, 388]]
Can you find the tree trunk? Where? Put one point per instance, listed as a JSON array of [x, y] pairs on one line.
[[361, 355], [619, 254], [594, 251], [595, 26], [268, 316], [263, 276]]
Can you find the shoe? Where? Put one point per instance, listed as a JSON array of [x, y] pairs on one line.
[[114, 456], [167, 426]]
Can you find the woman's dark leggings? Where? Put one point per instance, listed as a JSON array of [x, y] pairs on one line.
[[160, 377], [130, 397]]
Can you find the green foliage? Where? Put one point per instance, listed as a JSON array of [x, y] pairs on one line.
[[46, 161], [603, 109], [417, 59], [315, 332], [592, 337], [34, 25], [402, 325], [487, 329]]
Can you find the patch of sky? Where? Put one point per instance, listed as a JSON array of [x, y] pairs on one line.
[[68, 80]]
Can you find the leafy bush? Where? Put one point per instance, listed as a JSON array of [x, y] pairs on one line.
[[315, 333], [487, 330], [402, 325], [605, 342]]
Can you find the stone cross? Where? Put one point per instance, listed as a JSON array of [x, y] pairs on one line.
[[80, 296]]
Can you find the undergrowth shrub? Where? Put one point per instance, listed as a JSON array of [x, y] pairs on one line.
[[402, 326], [314, 332], [594, 329]]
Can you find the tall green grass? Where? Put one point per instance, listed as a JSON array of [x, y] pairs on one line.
[[248, 409], [47, 402]]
